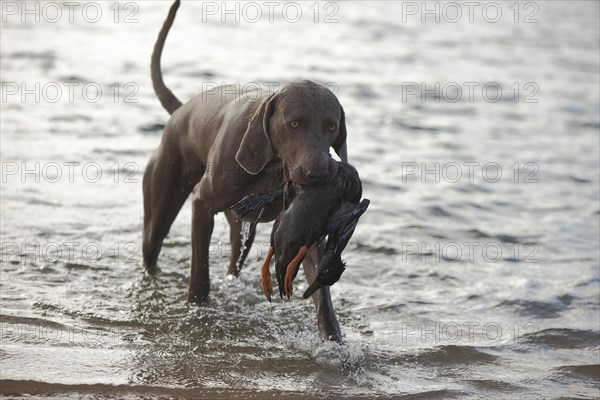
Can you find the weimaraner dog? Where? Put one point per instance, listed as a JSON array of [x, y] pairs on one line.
[[221, 146]]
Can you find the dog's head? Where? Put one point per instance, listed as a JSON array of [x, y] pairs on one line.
[[298, 124]]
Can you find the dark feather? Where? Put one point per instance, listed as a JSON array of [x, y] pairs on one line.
[[340, 228], [254, 202], [343, 225]]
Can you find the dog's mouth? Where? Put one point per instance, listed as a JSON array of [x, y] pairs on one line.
[[313, 176]]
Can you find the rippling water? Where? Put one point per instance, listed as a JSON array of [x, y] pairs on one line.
[[474, 273]]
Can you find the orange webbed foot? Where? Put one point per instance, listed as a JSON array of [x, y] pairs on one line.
[[291, 269], [266, 274]]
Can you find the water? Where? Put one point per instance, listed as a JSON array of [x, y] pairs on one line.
[[478, 279]]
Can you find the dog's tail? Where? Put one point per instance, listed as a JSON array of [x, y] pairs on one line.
[[166, 97]]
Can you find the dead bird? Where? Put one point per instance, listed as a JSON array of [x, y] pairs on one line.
[[311, 213], [340, 227]]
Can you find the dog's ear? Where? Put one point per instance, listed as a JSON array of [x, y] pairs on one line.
[[339, 145], [255, 149]]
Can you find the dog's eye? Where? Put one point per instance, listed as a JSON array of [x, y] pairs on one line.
[[332, 128], [294, 124]]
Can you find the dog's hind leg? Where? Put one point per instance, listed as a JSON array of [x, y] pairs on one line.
[[165, 191], [328, 325]]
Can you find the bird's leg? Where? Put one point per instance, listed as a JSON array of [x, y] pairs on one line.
[[266, 274], [291, 268]]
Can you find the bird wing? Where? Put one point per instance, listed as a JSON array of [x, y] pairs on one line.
[[341, 226], [254, 202]]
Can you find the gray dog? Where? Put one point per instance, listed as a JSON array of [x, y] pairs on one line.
[[222, 146]]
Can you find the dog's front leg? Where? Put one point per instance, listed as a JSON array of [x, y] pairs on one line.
[[328, 325], [202, 227]]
